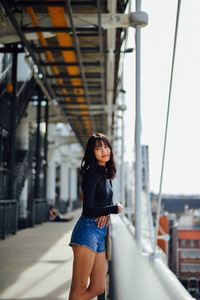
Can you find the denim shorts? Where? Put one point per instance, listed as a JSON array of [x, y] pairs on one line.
[[86, 233]]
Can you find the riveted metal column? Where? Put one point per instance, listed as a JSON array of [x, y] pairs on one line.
[[38, 148], [46, 146], [12, 123]]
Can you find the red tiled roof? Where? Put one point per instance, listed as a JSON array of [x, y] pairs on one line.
[[189, 234]]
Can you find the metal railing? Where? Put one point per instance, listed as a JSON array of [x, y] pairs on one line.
[[8, 217], [4, 114], [25, 166], [62, 206], [40, 211]]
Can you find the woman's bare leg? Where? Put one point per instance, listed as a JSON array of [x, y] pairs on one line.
[[82, 267], [97, 277]]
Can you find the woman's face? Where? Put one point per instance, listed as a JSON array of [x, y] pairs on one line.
[[102, 153]]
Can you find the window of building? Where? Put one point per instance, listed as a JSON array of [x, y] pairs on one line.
[[183, 243], [193, 268], [184, 254], [193, 283], [184, 283], [190, 253], [192, 243]]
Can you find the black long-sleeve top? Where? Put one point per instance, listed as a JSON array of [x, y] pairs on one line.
[[97, 194]]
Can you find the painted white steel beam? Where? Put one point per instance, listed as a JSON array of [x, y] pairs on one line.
[[111, 44], [9, 35]]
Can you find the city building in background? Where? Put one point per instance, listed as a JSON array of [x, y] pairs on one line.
[[188, 250], [181, 220]]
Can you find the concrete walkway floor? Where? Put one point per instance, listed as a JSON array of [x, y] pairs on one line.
[[36, 263]]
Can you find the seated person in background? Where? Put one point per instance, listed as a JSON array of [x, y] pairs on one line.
[[55, 216]]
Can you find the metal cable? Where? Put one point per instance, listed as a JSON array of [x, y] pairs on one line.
[[101, 51], [79, 56], [166, 125]]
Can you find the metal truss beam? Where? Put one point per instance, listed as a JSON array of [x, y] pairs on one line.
[[39, 3], [57, 48], [92, 75], [57, 29], [108, 20], [73, 87], [76, 106], [75, 96], [11, 49], [64, 63]]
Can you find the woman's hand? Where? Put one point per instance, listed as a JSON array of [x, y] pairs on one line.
[[120, 207], [102, 221]]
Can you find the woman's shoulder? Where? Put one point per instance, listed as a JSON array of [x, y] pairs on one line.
[[94, 173], [90, 172]]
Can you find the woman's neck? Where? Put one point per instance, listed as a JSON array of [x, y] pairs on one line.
[[101, 164]]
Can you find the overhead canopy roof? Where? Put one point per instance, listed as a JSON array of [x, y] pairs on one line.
[[74, 49]]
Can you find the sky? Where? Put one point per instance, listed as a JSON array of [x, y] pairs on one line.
[[182, 162]]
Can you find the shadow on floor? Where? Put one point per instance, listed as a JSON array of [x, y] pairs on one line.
[[36, 255]]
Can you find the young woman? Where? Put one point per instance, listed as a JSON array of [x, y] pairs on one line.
[[88, 236]]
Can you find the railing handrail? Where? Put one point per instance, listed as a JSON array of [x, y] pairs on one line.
[[7, 201], [6, 170], [40, 200]]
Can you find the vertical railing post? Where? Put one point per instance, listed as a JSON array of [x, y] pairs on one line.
[[4, 221], [138, 19], [138, 163], [122, 186], [16, 217], [33, 213]]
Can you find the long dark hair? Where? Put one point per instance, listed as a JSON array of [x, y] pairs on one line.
[[89, 159]]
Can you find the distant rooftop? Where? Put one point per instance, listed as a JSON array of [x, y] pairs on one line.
[[190, 220], [177, 203]]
